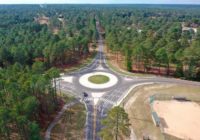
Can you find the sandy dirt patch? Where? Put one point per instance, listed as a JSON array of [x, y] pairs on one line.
[[42, 20], [137, 106], [180, 119]]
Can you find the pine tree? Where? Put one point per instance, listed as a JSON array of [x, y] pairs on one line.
[[115, 125]]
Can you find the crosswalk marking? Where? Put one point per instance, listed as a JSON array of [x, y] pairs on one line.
[[107, 101]]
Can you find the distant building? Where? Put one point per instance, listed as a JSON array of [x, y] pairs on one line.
[[128, 28], [60, 16], [192, 27], [139, 30]]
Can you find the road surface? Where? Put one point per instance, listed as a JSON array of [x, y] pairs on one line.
[[108, 97]]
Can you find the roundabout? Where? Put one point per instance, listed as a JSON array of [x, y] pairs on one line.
[[104, 88], [98, 80]]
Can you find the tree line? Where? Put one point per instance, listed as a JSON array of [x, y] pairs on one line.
[[149, 37], [153, 39], [25, 41], [30, 54], [27, 97]]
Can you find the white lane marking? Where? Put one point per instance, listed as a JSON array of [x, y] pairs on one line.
[[68, 79], [96, 96], [96, 100], [100, 67], [129, 90], [107, 101]]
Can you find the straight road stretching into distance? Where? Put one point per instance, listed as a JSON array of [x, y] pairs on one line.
[[99, 101]]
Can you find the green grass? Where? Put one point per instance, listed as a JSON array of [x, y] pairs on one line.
[[98, 79]]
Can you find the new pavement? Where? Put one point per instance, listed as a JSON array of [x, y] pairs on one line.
[[111, 96]]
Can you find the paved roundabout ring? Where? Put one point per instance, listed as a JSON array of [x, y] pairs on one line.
[[83, 80]]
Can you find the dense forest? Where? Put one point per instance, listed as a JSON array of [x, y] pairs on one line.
[[35, 40], [155, 39], [56, 35], [27, 97]]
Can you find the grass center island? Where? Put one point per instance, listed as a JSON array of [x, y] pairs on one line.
[[99, 79]]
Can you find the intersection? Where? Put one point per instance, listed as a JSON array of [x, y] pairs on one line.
[[102, 98]]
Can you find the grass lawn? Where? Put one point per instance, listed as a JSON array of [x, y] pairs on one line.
[[71, 125], [98, 79], [138, 108]]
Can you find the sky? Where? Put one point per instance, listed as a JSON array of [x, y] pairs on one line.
[[100, 1]]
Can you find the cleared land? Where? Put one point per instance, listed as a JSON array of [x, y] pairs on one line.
[[138, 108], [99, 79], [71, 125], [180, 119], [118, 64]]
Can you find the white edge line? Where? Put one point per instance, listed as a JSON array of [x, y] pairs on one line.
[[130, 89]]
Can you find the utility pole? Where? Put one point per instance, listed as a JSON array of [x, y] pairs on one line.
[[70, 115], [59, 86], [116, 133]]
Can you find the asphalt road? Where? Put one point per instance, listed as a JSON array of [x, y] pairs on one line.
[[112, 96]]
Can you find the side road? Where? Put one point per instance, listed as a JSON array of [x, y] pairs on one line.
[[57, 118]]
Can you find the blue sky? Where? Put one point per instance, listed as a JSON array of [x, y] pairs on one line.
[[102, 1]]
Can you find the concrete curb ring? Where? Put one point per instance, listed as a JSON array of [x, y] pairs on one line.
[[83, 80]]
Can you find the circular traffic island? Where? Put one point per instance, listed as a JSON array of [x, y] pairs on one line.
[[99, 79]]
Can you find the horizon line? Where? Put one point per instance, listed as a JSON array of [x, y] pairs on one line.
[[101, 3]]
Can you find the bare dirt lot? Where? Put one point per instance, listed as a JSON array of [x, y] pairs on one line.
[[139, 111], [180, 119], [42, 20]]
